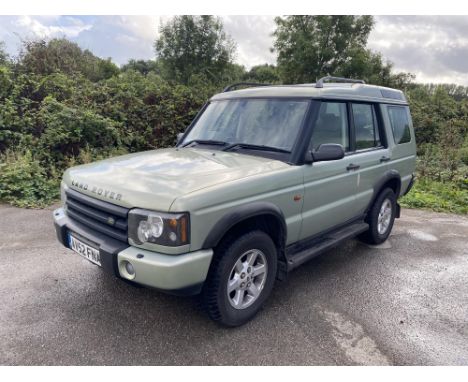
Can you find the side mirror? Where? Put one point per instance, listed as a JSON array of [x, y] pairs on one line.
[[308, 158], [179, 138], [327, 152]]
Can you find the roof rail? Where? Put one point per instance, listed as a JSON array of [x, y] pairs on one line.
[[320, 82], [230, 87]]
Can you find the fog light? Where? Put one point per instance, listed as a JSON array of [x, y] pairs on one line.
[[129, 268]]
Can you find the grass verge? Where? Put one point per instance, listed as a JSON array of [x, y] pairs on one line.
[[437, 196]]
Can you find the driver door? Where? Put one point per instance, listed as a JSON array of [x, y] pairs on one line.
[[329, 186]]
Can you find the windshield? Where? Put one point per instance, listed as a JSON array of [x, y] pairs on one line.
[[263, 122]]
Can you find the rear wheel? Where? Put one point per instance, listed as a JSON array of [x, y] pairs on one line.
[[241, 278], [380, 218]]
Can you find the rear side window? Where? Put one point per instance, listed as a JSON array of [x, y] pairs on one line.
[[331, 126], [400, 124], [365, 126]]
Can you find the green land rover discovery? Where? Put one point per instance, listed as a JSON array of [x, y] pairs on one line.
[[264, 179]]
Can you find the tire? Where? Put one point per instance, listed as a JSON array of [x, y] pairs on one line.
[[377, 234], [231, 265]]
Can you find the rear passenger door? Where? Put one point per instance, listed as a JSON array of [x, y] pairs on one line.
[[369, 150]]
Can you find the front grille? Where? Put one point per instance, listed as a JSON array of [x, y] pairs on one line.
[[106, 218]]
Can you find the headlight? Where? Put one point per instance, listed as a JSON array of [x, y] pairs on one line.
[[167, 229]]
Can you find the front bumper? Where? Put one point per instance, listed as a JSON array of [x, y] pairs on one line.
[[178, 274]]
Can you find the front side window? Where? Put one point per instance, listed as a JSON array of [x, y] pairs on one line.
[[331, 126], [266, 122], [365, 126], [400, 124]]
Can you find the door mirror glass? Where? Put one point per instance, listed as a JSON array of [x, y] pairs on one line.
[[328, 151]]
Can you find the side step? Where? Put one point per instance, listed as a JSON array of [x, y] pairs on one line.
[[324, 243]]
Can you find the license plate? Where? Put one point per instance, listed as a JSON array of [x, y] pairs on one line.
[[83, 249]]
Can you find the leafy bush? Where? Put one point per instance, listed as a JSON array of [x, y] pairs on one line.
[[24, 182], [48, 57], [66, 130], [5, 81], [437, 196], [464, 152], [63, 118]]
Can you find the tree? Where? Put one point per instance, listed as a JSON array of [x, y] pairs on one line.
[[371, 67], [309, 47], [194, 45], [263, 73], [142, 66], [61, 55], [3, 55], [458, 92]]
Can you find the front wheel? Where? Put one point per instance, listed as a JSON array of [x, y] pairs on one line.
[[381, 217], [241, 278]]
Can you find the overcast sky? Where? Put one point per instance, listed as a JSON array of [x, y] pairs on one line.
[[435, 48]]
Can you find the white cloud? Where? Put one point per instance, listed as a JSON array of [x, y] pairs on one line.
[[38, 29], [253, 37], [146, 27], [435, 48]]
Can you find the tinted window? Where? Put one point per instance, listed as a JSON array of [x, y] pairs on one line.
[[365, 126], [267, 122], [331, 125], [400, 124]]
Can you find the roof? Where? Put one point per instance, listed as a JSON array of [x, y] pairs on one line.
[[341, 91]]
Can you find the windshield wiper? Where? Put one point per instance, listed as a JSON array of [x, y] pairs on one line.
[[254, 147], [205, 142]]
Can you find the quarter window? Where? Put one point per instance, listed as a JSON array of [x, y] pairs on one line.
[[400, 124], [331, 126], [365, 126]]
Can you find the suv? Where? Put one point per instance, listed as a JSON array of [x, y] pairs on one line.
[[264, 179]]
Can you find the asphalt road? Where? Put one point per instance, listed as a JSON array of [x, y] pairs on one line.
[[405, 302]]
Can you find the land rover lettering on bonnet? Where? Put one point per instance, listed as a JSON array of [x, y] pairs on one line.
[[265, 178], [96, 190]]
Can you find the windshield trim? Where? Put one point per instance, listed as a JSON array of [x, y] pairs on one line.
[[284, 157]]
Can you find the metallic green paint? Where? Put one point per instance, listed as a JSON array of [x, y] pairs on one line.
[[211, 183], [154, 179]]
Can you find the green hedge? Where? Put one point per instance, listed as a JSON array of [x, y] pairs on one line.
[[25, 182], [50, 122]]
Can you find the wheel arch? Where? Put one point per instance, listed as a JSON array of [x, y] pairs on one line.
[[264, 215], [391, 179]]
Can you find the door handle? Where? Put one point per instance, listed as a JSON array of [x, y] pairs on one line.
[[384, 159], [352, 167]]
